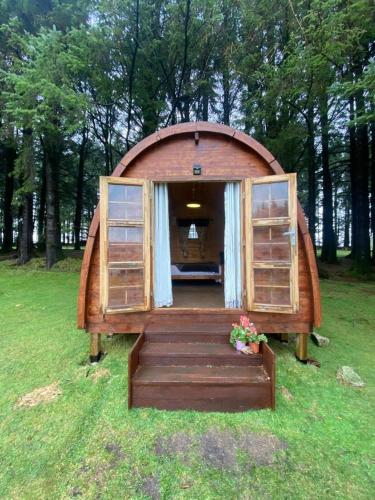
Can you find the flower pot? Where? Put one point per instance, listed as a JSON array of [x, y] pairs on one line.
[[240, 345], [254, 347]]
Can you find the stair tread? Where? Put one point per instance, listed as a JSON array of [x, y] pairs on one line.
[[184, 327], [191, 349], [200, 375]]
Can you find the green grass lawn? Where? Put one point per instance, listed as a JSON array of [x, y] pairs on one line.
[[85, 443]]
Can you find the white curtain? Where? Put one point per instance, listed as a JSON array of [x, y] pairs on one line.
[[162, 253], [232, 246]]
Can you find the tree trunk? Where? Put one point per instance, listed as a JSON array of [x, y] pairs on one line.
[[225, 63], [329, 239], [26, 230], [42, 209], [372, 176], [131, 79], [360, 177], [249, 119], [336, 227], [176, 92], [205, 102], [353, 178], [79, 191], [10, 158], [52, 144], [311, 197], [226, 97], [347, 222], [186, 97], [107, 159]]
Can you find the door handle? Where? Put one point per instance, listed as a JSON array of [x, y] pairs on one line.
[[292, 234]]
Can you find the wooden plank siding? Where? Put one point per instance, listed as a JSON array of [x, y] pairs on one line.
[[224, 154]]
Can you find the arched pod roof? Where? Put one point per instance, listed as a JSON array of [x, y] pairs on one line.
[[186, 128]]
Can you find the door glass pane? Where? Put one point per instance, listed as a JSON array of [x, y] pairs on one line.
[[272, 296], [125, 287], [125, 193], [272, 286], [120, 234], [269, 277], [271, 243], [125, 276], [125, 202], [124, 211], [270, 200], [125, 244], [122, 297]]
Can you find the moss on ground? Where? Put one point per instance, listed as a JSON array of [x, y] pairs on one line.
[[85, 443]]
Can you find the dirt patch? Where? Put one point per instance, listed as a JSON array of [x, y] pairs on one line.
[[261, 449], [99, 374], [115, 450], [178, 444], [38, 396], [222, 449], [151, 487], [219, 449]]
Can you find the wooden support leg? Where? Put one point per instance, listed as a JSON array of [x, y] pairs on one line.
[[95, 347], [301, 347]]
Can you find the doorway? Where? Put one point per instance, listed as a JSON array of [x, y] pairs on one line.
[[196, 218]]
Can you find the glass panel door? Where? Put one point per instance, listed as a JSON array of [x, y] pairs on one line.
[[124, 250], [271, 246]]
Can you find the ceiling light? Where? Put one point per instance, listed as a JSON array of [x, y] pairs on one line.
[[193, 203]]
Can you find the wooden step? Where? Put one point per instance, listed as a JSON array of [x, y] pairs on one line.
[[224, 388], [229, 375], [204, 376], [193, 354], [186, 326], [188, 337], [186, 331]]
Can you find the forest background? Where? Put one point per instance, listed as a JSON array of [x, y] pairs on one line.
[[82, 81]]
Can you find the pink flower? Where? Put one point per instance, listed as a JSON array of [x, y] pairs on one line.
[[245, 322]]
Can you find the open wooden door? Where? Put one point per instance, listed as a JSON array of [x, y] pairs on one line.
[[124, 245], [271, 244]]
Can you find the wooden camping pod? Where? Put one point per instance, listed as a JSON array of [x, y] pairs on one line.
[[223, 155]]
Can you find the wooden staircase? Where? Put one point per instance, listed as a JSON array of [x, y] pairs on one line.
[[193, 367]]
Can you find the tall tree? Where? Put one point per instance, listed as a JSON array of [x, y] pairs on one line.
[[25, 168], [44, 100], [9, 155], [329, 237]]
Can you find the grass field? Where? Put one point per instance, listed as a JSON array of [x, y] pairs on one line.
[[85, 443]]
